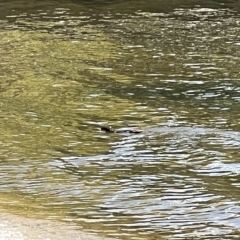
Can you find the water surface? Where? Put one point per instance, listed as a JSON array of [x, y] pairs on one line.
[[170, 69]]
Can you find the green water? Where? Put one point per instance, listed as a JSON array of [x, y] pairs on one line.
[[170, 69]]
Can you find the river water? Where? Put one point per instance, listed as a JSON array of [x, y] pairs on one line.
[[167, 67]]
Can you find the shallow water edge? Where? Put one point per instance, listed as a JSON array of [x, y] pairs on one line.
[[22, 228]]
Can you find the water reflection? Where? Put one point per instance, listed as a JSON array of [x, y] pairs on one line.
[[167, 68], [161, 182]]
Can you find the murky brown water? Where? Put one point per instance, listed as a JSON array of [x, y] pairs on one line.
[[169, 68]]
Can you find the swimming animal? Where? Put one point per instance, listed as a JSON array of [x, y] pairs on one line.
[[112, 130]]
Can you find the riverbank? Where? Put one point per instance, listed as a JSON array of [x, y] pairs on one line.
[[22, 228]]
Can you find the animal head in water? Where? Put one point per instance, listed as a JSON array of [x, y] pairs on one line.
[[107, 129]]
